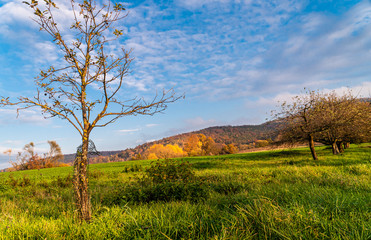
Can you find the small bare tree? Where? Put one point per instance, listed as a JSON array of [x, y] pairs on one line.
[[84, 90], [52, 158], [299, 121]]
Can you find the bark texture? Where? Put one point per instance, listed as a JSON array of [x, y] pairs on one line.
[[81, 184], [335, 149], [311, 146]]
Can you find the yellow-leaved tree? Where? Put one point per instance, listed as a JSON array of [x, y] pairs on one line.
[[159, 151], [199, 144]]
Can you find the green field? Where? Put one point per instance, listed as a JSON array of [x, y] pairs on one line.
[[281, 194]]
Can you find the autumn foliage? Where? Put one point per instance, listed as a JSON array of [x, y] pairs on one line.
[[195, 145], [200, 145], [29, 159], [159, 151]]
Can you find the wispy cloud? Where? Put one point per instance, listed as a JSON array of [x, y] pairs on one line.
[[8, 116], [128, 130], [171, 53], [254, 49], [260, 49], [150, 125], [199, 122], [273, 102]]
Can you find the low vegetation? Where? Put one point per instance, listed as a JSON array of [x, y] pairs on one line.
[[281, 194], [29, 159]]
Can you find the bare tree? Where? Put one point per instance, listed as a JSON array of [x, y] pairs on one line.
[[9, 153], [299, 121], [26, 159], [84, 90], [52, 158]]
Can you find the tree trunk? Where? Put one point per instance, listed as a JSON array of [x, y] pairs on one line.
[[335, 149], [311, 146], [346, 145], [81, 184], [340, 147]]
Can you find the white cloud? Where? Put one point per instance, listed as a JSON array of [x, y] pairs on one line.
[[17, 147], [128, 130], [4, 165], [14, 11], [150, 125], [362, 90], [194, 4], [48, 50], [198, 123], [26, 116], [259, 49], [14, 151], [202, 60]]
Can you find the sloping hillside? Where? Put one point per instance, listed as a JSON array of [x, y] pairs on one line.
[[241, 136]]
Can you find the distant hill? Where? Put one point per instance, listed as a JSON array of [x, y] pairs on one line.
[[237, 135], [241, 136]]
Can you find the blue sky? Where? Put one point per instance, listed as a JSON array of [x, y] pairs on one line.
[[233, 60]]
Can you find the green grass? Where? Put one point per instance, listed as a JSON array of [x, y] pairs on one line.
[[280, 194]]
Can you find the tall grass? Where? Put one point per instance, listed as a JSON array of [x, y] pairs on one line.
[[265, 195]]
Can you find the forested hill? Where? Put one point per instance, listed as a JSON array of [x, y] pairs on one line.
[[237, 135], [241, 136]]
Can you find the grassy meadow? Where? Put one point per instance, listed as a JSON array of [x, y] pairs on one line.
[[278, 194]]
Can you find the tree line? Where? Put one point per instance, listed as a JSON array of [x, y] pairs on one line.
[[327, 118]]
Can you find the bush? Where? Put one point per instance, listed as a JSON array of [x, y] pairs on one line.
[[21, 182], [169, 171], [168, 180]]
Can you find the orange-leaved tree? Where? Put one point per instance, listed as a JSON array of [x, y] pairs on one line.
[[83, 90], [159, 151], [193, 145], [199, 144]]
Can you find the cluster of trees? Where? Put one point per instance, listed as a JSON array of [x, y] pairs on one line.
[[159, 151], [200, 145], [327, 118], [195, 145], [29, 159]]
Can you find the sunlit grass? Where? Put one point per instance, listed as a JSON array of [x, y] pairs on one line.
[[280, 194]]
